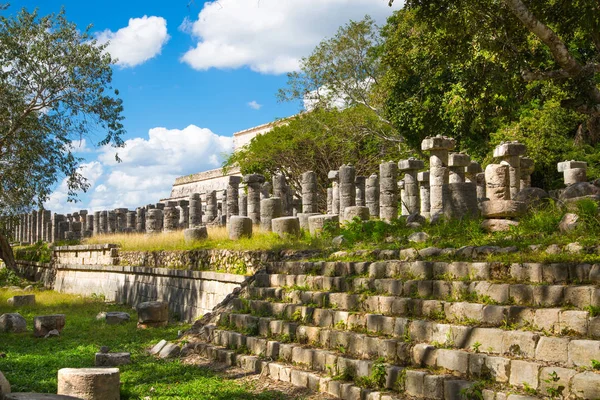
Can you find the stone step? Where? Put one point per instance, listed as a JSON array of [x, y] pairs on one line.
[[354, 289], [413, 383], [400, 348], [551, 321], [476, 366], [554, 273]]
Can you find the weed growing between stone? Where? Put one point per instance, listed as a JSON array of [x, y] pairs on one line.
[[31, 364]]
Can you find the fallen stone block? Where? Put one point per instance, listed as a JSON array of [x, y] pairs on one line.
[[112, 359], [152, 314], [43, 324], [117, 317], [13, 323], [170, 350], [22, 300]]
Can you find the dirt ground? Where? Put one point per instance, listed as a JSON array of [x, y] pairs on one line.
[[257, 383]]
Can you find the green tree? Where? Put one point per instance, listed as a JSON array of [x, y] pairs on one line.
[[320, 141], [489, 70], [55, 87]]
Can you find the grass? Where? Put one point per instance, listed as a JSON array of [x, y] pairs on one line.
[[31, 364], [217, 239]]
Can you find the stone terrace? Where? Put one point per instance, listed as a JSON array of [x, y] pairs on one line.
[[433, 330]]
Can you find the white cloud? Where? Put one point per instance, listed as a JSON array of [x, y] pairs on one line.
[[141, 40], [270, 36], [80, 146], [57, 202], [254, 105]]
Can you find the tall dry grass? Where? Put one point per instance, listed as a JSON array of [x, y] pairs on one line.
[[218, 238]]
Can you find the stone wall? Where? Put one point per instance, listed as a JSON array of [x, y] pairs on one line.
[[99, 254], [190, 294]]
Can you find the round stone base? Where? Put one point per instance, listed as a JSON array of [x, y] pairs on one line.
[[90, 383]]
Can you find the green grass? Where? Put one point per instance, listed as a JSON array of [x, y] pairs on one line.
[[31, 364]]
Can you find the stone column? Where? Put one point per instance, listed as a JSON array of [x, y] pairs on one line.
[[527, 168], [471, 171], [403, 208], [131, 222], [497, 180], [170, 219], [411, 196], [121, 218], [347, 175], [280, 189], [111, 222], [254, 184], [103, 222], [140, 219], [270, 209], [89, 224], [195, 211], [96, 223], [184, 214], [388, 191], [265, 190], [573, 171], [63, 228], [154, 220], [329, 199], [333, 176], [457, 162], [372, 195], [83, 217], [211, 206], [46, 218], [243, 204], [510, 154], [438, 147], [360, 184], [481, 186], [309, 192], [40, 225], [34, 238], [76, 232], [423, 179], [233, 191]]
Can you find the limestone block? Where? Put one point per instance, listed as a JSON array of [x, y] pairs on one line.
[[152, 314], [453, 389], [497, 175], [356, 211], [4, 385], [116, 317], [90, 383], [303, 220], [573, 320], [239, 227], [586, 385], [564, 376], [547, 296], [463, 199], [567, 165], [158, 347], [112, 359], [498, 225], [453, 360], [575, 175], [581, 352], [410, 164], [22, 300], [191, 235], [46, 323], [519, 343], [438, 143], [414, 383], [286, 226], [552, 349], [433, 386], [510, 149], [502, 209], [317, 222], [13, 323], [524, 372]]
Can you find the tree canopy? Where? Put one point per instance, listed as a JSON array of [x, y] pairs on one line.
[[55, 88], [320, 141]]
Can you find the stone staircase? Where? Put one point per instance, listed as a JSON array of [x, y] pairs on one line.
[[433, 330]]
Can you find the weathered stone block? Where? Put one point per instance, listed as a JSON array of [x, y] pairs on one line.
[[90, 383], [581, 352], [503, 209], [453, 360], [586, 385], [112, 359], [22, 300], [552, 349], [286, 226], [46, 323], [13, 323], [524, 372]]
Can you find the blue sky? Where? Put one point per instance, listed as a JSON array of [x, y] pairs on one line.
[[190, 75]]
